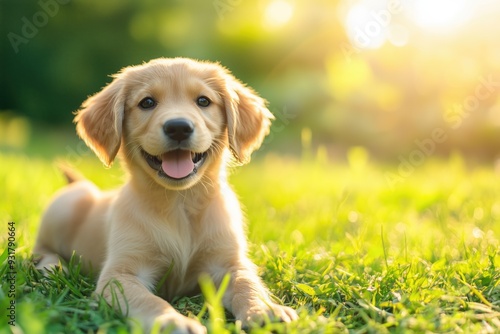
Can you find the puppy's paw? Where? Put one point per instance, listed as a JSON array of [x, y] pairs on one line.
[[258, 315], [47, 263], [175, 323], [284, 313]]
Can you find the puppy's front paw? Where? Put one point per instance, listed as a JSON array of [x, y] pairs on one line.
[[175, 323], [257, 315], [284, 313]]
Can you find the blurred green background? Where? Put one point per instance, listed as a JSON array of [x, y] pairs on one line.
[[366, 93], [383, 75]]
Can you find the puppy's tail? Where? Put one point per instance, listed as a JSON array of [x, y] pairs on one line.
[[69, 173]]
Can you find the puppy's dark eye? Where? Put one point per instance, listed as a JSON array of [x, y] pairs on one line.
[[147, 103], [203, 101]]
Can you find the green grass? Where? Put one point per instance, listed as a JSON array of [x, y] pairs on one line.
[[335, 241]]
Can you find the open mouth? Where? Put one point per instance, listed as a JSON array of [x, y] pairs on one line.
[[177, 164]]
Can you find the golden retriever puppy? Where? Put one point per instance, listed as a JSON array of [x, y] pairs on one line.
[[174, 123]]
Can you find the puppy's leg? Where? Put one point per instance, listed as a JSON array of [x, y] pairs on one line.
[[135, 300], [248, 299], [45, 259], [61, 221]]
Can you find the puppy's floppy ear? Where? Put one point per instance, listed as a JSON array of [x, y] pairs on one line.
[[99, 121], [248, 119]]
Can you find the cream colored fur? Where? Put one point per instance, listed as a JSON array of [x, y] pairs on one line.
[[135, 234]]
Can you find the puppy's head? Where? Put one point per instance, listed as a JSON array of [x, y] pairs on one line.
[[173, 119]]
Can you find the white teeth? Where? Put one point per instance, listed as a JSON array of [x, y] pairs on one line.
[[196, 157]]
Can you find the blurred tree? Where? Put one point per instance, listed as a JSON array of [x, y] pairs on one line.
[[63, 50], [374, 73]]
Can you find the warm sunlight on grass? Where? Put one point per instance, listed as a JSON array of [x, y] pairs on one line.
[[334, 240]]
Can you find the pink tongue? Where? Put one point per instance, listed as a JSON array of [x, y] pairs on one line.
[[177, 164]]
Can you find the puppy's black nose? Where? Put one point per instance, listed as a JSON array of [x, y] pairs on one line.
[[178, 129]]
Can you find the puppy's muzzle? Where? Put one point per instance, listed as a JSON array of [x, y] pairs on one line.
[[180, 162], [178, 129]]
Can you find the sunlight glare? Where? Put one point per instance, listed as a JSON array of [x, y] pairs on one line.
[[278, 13], [440, 14], [363, 30]]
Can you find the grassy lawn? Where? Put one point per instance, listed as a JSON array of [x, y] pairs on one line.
[[351, 251]]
